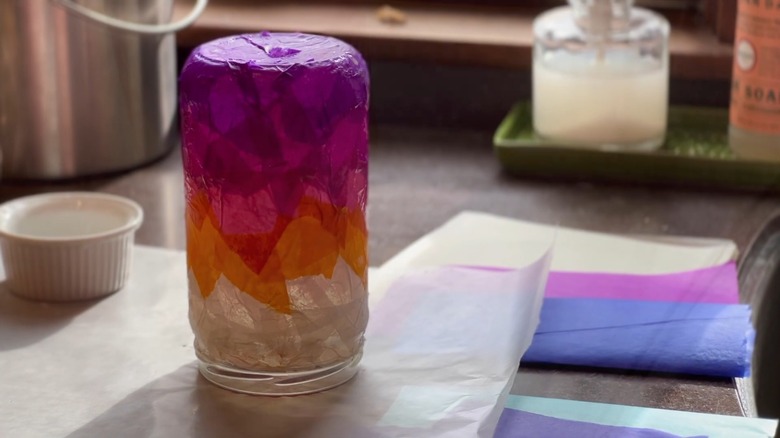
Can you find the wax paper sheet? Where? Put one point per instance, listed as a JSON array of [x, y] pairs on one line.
[[692, 338], [124, 366], [681, 423]]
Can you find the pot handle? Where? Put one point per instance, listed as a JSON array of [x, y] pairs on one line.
[[154, 29]]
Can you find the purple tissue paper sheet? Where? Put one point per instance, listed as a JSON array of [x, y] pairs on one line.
[[690, 338], [717, 284], [521, 424]]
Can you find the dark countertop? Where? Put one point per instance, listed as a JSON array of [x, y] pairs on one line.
[[419, 178]]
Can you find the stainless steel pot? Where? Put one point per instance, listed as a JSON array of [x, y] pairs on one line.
[[86, 86]]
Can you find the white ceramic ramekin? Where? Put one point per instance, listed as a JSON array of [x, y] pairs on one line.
[[67, 246]]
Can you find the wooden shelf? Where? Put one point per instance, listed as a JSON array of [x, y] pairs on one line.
[[459, 34]]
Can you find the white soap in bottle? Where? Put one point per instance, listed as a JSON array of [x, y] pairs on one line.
[[601, 76]]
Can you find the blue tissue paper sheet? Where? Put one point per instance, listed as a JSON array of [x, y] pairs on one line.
[[691, 338]]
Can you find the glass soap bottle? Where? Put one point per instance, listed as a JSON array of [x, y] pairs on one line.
[[601, 76]]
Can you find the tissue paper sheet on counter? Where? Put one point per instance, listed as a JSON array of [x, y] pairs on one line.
[[124, 366], [716, 284], [522, 424], [681, 423], [692, 338]]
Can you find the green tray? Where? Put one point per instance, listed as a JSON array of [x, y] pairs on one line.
[[696, 152]]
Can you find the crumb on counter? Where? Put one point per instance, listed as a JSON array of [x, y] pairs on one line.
[[390, 15]]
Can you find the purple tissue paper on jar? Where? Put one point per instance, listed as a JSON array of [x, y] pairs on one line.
[[275, 153]]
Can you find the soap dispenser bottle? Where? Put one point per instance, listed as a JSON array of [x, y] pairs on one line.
[[601, 76], [754, 129]]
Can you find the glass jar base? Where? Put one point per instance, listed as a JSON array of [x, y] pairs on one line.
[[279, 384]]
